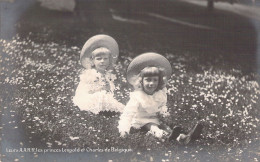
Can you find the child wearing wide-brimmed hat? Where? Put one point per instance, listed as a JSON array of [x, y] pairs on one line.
[[95, 90], [148, 74]]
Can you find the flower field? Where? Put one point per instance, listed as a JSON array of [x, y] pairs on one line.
[[38, 82]]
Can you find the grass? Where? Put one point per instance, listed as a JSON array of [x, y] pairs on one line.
[[43, 87], [213, 80]]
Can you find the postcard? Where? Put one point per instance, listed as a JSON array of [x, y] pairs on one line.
[[129, 80]]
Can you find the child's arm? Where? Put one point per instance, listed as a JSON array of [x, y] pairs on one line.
[[127, 116]]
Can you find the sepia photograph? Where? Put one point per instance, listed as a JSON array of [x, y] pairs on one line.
[[129, 80]]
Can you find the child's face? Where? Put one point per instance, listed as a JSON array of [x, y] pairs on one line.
[[150, 84], [101, 62]]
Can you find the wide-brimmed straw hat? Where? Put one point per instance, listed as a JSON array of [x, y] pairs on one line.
[[95, 42], [149, 59]]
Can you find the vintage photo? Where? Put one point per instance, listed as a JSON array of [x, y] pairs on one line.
[[129, 80]]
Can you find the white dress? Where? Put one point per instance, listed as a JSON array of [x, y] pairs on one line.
[[142, 109], [91, 95]]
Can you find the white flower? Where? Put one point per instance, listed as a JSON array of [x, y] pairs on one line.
[[74, 138]]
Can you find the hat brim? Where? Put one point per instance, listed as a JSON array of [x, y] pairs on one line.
[[147, 60], [95, 42]]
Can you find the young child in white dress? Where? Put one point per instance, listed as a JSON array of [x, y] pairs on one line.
[[95, 90], [148, 73]]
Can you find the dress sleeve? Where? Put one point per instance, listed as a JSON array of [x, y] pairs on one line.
[[126, 118]]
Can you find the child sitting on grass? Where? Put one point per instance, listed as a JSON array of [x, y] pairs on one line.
[[95, 90], [148, 73]]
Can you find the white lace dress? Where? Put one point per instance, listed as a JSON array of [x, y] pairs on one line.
[[142, 109], [91, 94]]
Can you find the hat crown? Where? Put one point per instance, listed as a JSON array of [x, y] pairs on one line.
[[95, 42], [149, 59]]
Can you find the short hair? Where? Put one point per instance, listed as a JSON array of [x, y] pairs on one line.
[[99, 51], [152, 71]]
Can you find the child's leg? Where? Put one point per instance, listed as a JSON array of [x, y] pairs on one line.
[[191, 136], [165, 128], [157, 132], [173, 133], [151, 128], [135, 130], [176, 132], [144, 129]]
